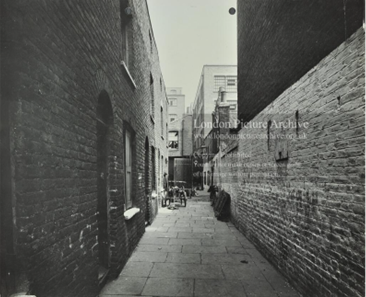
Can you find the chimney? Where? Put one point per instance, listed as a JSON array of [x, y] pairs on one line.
[[222, 94]]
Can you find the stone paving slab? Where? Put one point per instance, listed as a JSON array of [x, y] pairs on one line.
[[185, 241], [159, 248], [157, 234], [178, 270], [196, 249], [200, 235], [218, 288], [187, 252], [148, 257], [124, 285], [168, 287], [183, 258], [137, 269]]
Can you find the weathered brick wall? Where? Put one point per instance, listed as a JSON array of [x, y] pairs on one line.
[[157, 136], [279, 41], [58, 58], [306, 213]]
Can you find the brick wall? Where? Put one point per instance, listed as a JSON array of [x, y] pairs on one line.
[[306, 212], [280, 41], [58, 58]]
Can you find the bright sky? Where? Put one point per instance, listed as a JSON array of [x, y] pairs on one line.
[[190, 34]]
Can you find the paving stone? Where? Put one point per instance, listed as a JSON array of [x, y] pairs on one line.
[[148, 257], [224, 236], [168, 287], [154, 240], [236, 250], [184, 241], [160, 234], [137, 269], [249, 272], [159, 248], [260, 288], [223, 242], [177, 270], [234, 259], [218, 288], [184, 258], [159, 229], [125, 286], [204, 230], [180, 229], [200, 235], [195, 249]]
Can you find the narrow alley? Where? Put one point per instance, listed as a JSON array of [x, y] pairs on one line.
[[187, 252]]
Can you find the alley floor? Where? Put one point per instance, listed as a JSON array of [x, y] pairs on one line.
[[187, 252]]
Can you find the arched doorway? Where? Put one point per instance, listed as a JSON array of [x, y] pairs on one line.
[[104, 124]]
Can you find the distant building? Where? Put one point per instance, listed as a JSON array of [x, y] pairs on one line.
[[213, 77], [217, 82]]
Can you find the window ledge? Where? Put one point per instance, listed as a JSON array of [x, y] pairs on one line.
[[125, 68], [129, 214]]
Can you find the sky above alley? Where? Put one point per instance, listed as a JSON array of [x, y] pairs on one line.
[[190, 34]]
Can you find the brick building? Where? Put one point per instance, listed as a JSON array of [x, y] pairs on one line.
[[296, 173], [83, 141]]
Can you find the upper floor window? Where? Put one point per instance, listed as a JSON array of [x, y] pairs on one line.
[[125, 27], [172, 102], [173, 139]]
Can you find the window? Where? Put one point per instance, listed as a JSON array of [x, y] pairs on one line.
[[152, 105], [220, 81], [128, 168], [172, 102], [173, 139], [125, 24], [229, 83]]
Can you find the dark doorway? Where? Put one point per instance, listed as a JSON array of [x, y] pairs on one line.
[[104, 122], [147, 172]]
